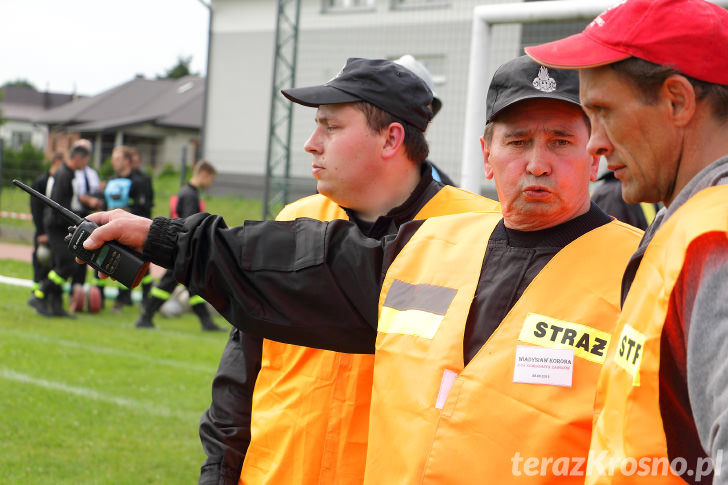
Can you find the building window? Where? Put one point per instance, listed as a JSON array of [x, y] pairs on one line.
[[18, 138], [348, 5], [405, 4]]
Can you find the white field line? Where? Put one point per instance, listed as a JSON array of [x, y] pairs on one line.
[[109, 351], [94, 395], [9, 280]]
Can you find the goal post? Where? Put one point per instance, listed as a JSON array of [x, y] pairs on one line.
[[485, 18]]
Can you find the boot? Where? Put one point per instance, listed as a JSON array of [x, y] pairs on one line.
[[205, 320], [145, 292], [150, 308], [48, 300], [125, 297], [39, 302], [102, 289], [56, 305]]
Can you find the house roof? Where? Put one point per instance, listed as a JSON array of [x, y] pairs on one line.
[[163, 102], [27, 104]]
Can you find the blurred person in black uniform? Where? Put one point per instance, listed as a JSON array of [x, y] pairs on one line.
[[48, 298], [188, 203], [148, 191], [41, 253]]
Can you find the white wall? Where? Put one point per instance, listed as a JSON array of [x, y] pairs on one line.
[[39, 132], [241, 65], [239, 89]]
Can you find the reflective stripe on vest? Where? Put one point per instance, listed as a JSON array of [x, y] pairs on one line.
[[56, 278], [157, 292], [436, 421], [628, 428], [649, 211], [311, 406]]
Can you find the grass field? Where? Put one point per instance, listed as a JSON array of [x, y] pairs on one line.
[[234, 209], [92, 400]]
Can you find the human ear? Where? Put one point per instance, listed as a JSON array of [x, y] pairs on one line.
[[680, 93], [393, 139], [487, 168]]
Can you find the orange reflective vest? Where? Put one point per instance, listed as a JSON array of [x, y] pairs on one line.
[[628, 443], [435, 420], [310, 412]]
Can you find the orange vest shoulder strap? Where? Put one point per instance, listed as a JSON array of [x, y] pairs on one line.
[[453, 200], [314, 206]]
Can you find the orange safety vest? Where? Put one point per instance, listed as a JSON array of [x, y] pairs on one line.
[[435, 420], [629, 444], [310, 412]]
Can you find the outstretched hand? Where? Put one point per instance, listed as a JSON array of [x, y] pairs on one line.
[[118, 225]]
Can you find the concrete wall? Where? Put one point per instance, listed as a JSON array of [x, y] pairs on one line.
[[38, 132], [241, 65]]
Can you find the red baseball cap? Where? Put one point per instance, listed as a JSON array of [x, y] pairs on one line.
[[690, 36]]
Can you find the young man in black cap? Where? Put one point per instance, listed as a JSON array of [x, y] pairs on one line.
[[369, 160], [491, 329]]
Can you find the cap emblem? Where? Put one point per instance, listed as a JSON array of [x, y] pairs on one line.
[[341, 71], [543, 82]]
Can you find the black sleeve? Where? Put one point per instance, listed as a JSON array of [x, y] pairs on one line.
[[303, 282], [225, 426], [63, 194], [142, 195], [149, 188], [36, 206]]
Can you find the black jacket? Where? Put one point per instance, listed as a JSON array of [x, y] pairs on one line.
[[143, 193], [188, 201], [37, 207]]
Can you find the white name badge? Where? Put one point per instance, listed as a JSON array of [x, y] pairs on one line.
[[539, 365]]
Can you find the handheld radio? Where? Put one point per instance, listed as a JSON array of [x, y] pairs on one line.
[[114, 259]]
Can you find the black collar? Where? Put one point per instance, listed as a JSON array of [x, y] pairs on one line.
[[554, 237]]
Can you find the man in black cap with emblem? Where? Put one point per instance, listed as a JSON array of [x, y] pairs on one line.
[[489, 329], [369, 160]]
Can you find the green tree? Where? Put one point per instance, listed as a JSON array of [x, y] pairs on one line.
[[25, 164], [23, 83], [181, 69]]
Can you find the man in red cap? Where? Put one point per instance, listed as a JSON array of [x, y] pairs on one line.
[[654, 82]]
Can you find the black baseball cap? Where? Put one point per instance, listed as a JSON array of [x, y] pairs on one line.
[[522, 78], [385, 84]]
